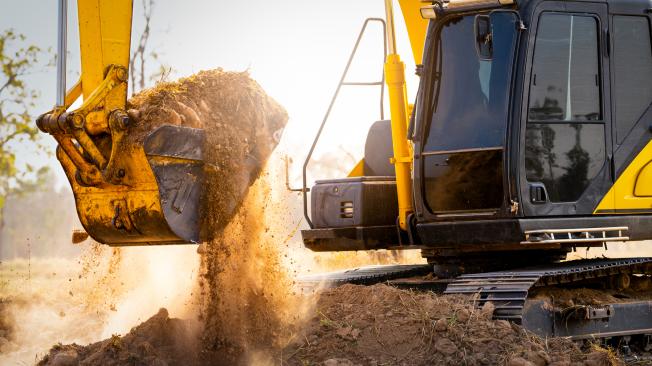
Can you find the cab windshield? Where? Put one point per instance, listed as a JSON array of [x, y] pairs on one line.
[[470, 91]]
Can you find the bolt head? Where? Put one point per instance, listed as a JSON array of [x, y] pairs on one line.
[[78, 120], [121, 74]]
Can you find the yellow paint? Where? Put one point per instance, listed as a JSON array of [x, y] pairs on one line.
[[358, 169], [115, 190], [632, 191], [643, 186], [104, 40], [72, 94], [416, 26], [395, 77], [398, 107]]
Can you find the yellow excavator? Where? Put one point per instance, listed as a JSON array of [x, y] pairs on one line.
[[530, 137]]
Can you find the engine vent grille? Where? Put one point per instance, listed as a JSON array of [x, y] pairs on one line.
[[346, 209]]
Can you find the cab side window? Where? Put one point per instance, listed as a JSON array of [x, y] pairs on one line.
[[632, 59], [565, 84], [565, 132]]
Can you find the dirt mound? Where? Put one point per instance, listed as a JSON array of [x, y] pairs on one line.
[[350, 325], [158, 341], [381, 325]]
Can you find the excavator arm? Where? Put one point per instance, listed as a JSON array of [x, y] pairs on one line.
[[129, 189]]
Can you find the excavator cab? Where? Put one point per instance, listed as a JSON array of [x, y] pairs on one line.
[[130, 188], [530, 137]]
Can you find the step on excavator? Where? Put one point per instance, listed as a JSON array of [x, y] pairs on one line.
[[530, 137]]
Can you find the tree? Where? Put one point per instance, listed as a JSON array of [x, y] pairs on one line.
[[140, 56], [16, 123]]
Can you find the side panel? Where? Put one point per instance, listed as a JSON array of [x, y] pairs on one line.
[[632, 192], [643, 186]]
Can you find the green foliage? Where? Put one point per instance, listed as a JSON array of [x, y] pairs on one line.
[[17, 100]]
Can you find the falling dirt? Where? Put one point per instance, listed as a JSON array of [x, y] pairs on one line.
[[45, 301], [242, 124], [6, 325], [243, 289]]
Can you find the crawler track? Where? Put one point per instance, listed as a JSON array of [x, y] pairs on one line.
[[508, 290]]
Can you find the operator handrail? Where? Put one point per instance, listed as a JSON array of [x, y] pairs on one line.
[[380, 83]]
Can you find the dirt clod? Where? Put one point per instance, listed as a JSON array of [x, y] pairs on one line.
[[338, 362], [445, 346], [441, 325], [519, 361], [463, 315], [488, 310], [538, 358]]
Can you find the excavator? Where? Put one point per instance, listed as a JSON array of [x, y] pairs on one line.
[[529, 138]]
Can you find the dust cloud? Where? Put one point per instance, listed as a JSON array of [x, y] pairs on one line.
[[104, 292]]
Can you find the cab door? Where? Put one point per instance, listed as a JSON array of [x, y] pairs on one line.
[[566, 121], [459, 154]]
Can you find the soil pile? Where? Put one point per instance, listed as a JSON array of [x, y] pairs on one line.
[[158, 341], [381, 325]]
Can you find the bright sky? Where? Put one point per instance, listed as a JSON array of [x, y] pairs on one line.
[[295, 49]]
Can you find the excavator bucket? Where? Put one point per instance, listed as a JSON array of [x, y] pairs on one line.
[[149, 194], [136, 168], [134, 183]]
